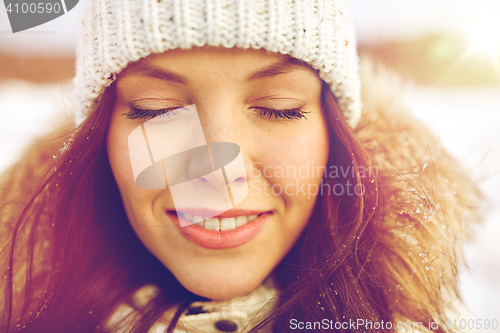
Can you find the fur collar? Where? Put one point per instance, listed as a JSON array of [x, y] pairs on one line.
[[429, 202]]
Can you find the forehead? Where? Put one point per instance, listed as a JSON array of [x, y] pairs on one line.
[[250, 64]]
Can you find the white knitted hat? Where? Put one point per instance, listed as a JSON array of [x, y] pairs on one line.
[[117, 32]]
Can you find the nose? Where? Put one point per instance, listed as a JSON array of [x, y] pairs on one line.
[[208, 163], [223, 163], [211, 176], [226, 143]]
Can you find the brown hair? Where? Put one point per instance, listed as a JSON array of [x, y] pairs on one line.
[[81, 257]]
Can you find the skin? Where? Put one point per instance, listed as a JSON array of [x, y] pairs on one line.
[[216, 82]]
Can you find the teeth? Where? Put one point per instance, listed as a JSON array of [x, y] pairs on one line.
[[241, 220], [198, 220], [218, 224], [212, 224], [251, 218], [227, 224]]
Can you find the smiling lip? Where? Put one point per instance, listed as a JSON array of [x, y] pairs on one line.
[[211, 239]]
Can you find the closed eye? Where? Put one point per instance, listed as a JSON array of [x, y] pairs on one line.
[[289, 114], [136, 113]]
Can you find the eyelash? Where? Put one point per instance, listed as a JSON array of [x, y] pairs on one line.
[[145, 114], [290, 114]]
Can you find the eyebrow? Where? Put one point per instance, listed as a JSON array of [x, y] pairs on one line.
[[286, 65], [145, 69]]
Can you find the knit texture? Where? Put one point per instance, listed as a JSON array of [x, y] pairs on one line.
[[115, 33]]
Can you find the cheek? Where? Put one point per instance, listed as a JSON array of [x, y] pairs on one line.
[[135, 199], [119, 159], [295, 164]]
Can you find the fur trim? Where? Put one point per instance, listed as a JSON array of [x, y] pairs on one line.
[[428, 200]]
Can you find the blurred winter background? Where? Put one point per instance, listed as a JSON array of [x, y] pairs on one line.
[[448, 49]]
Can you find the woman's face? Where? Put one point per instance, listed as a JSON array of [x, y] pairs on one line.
[[235, 93]]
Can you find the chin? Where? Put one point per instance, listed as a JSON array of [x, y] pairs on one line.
[[221, 286]]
